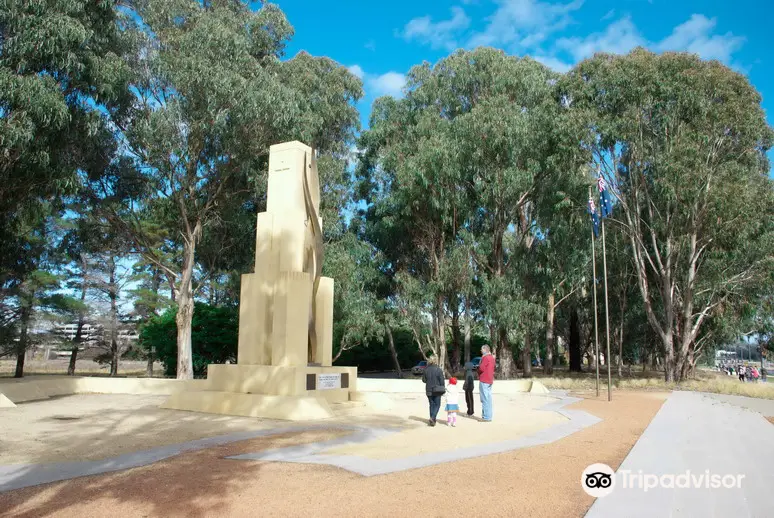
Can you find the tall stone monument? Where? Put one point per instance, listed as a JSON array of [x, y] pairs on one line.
[[283, 368]]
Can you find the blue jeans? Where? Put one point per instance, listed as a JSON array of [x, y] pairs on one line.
[[486, 400], [435, 406]]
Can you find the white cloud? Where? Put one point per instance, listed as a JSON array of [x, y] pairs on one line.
[[555, 64], [524, 22], [619, 38], [609, 15], [357, 71], [439, 35], [391, 83], [696, 36]]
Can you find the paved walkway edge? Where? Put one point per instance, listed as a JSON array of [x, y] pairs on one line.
[[17, 476], [697, 434]]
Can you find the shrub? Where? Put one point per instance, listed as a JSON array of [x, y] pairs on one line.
[[214, 337]]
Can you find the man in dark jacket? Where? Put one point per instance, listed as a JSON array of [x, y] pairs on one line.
[[435, 387], [468, 387]]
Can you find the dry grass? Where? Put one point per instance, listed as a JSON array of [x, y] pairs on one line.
[[705, 382], [85, 367]]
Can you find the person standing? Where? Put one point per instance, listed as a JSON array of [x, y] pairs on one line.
[[452, 402], [435, 387], [468, 387], [485, 380]]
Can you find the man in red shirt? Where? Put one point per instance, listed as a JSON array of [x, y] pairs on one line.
[[485, 379]]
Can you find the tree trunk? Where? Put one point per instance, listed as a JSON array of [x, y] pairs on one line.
[[113, 294], [20, 356], [418, 340], [456, 335], [79, 330], [21, 348], [392, 350], [526, 356], [620, 333], [441, 333], [575, 346], [670, 366], [505, 354], [548, 366], [185, 308], [467, 329]]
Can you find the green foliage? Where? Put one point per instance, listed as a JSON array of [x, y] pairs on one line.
[[212, 94], [214, 338], [683, 142], [142, 129], [457, 174], [55, 53]]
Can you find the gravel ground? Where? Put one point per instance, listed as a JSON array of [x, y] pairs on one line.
[[539, 481], [97, 426]]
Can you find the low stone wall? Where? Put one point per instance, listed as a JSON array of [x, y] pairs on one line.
[[416, 386], [42, 387], [36, 388]]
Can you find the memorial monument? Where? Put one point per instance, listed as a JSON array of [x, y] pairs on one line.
[[283, 368]]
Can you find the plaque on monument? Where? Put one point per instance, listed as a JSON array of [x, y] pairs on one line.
[[328, 381]]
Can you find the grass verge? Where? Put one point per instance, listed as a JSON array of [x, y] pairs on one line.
[[705, 382]]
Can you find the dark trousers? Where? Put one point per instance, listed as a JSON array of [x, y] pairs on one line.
[[469, 401], [435, 406]]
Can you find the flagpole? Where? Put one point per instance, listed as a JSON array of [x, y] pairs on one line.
[[607, 316], [594, 288]]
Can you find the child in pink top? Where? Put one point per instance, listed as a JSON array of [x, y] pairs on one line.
[[452, 402]]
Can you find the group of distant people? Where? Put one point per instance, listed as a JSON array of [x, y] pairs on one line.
[[746, 373], [437, 389]]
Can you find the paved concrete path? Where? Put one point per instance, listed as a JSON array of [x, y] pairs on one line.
[[763, 406], [698, 433]]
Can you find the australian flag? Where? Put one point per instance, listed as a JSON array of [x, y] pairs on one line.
[[605, 204], [594, 216]]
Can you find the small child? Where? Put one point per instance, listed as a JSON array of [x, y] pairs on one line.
[[452, 402]]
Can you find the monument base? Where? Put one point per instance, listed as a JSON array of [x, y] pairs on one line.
[[272, 392]]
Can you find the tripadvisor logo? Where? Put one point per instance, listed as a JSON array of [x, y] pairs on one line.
[[599, 480]]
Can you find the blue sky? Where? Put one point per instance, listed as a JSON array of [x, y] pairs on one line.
[[380, 41]]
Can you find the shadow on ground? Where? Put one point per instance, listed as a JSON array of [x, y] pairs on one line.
[[195, 484]]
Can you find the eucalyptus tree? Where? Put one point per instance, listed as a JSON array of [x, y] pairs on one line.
[[561, 265], [683, 142], [59, 61], [417, 197], [211, 95], [467, 152]]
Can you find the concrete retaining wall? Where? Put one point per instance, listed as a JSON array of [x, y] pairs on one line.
[[36, 388], [42, 387], [416, 386]]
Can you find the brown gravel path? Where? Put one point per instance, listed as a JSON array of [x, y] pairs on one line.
[[539, 481]]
